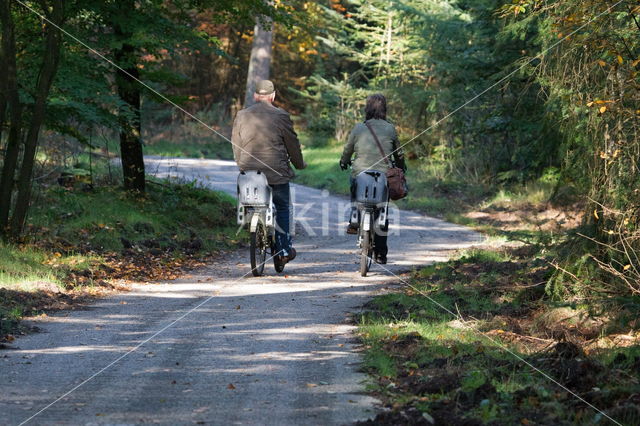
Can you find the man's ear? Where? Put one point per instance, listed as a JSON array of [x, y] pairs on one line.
[[273, 96]]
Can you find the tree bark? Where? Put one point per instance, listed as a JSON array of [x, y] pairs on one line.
[[129, 91], [51, 59], [260, 60], [3, 75], [10, 82]]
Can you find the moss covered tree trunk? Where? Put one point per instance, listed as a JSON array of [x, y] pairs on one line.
[[8, 71], [50, 61]]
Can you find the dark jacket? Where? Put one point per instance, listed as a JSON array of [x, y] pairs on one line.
[[263, 139], [367, 153]]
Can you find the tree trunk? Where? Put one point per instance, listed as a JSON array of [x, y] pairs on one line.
[[129, 90], [260, 61], [10, 82], [3, 74], [51, 59]]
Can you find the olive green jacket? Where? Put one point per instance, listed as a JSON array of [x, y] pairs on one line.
[[367, 154], [263, 139]]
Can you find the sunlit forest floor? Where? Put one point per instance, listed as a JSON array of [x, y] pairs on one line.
[[85, 241], [476, 364]]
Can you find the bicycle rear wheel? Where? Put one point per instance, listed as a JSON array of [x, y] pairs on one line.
[[365, 253], [258, 250]]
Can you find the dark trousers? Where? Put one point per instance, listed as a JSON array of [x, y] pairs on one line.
[[281, 200], [380, 232]]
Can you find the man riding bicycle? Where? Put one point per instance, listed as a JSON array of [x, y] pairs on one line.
[[264, 140]]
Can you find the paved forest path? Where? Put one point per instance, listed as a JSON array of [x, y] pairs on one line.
[[273, 350]]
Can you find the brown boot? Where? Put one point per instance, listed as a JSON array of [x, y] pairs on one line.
[[292, 255]]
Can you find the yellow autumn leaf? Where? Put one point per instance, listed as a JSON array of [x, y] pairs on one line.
[[620, 60], [601, 63], [626, 267], [603, 109], [589, 104], [636, 62], [595, 214]]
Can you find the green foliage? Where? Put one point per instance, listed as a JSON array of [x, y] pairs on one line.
[[107, 219], [429, 58], [587, 72]]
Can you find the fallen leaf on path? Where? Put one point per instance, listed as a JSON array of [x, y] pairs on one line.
[[231, 386], [311, 385], [428, 418]]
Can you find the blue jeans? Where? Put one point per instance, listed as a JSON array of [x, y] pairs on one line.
[[282, 203]]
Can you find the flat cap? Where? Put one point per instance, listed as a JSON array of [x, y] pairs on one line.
[[265, 87]]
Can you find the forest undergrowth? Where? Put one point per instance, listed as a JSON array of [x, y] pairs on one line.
[[480, 340], [84, 241]]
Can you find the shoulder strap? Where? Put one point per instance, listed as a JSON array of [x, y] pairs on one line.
[[375, 137]]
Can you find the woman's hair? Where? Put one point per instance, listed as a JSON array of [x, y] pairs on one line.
[[376, 107]]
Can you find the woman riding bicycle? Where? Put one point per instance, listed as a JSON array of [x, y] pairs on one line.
[[362, 143]]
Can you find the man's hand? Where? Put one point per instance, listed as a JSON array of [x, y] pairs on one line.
[[344, 166]]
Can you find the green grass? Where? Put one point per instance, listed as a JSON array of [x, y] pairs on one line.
[[536, 193], [323, 170], [22, 267], [74, 235], [420, 356], [101, 219]]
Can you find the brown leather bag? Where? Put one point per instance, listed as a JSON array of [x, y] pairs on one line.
[[395, 175]]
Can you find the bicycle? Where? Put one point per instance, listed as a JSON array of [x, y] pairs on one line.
[[255, 211], [372, 201]]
